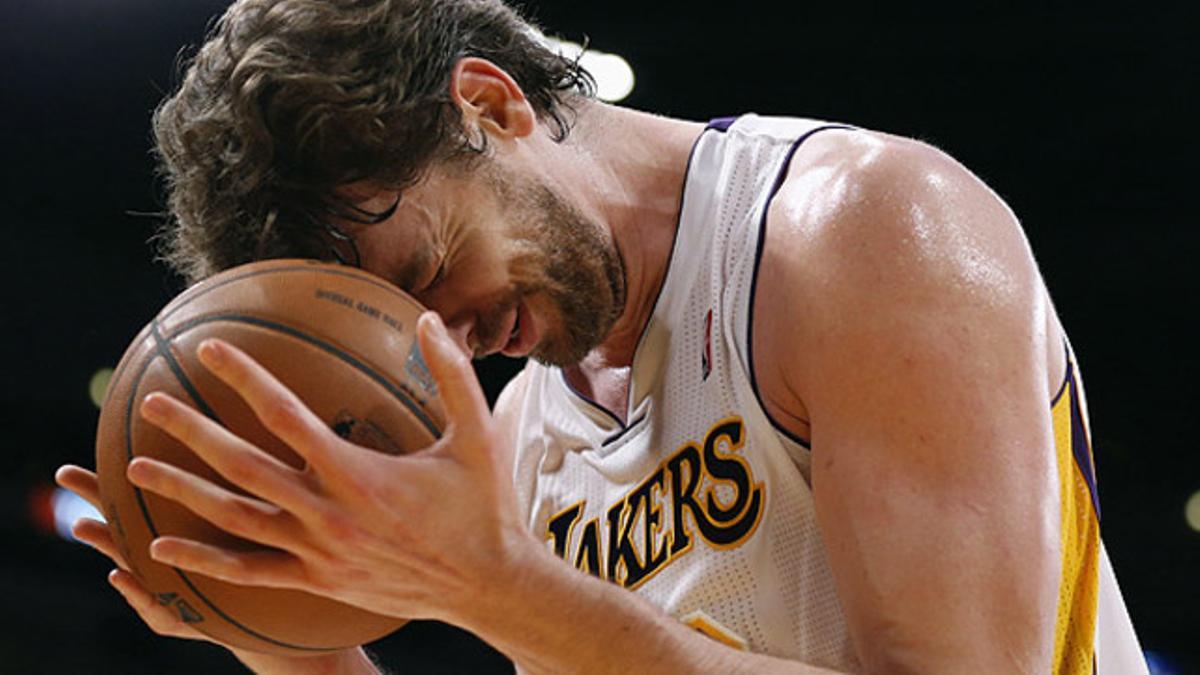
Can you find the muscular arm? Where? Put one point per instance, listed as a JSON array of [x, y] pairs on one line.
[[922, 371]]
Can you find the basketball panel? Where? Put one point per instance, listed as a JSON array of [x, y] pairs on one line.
[[344, 397], [372, 320], [277, 311]]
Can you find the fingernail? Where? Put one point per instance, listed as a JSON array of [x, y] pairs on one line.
[[211, 353], [139, 471], [154, 406], [437, 329], [133, 473], [433, 323]]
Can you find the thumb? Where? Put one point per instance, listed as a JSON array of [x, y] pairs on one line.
[[466, 406]]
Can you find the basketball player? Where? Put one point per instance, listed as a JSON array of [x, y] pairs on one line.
[[798, 398]]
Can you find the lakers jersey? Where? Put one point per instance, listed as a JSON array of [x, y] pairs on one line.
[[692, 497]]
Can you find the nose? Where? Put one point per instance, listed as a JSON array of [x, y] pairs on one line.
[[460, 331]]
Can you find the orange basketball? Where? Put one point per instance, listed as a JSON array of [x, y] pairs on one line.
[[345, 342]]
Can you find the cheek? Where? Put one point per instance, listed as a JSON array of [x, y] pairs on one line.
[[480, 281], [526, 265], [547, 316]]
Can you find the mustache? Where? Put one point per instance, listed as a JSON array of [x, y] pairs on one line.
[[487, 329], [490, 325]]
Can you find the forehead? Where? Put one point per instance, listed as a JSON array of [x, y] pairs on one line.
[[399, 248], [431, 216]]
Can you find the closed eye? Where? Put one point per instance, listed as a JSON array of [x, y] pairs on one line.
[[438, 276]]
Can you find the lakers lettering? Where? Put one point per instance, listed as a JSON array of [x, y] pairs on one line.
[[650, 527]]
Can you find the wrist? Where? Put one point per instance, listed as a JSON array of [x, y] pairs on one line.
[[352, 661], [549, 617], [500, 584]]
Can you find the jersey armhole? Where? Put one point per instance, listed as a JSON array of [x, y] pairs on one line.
[[748, 346]]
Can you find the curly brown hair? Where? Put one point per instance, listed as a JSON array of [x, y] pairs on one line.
[[289, 99]]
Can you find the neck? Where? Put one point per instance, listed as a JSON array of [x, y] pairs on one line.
[[627, 169]]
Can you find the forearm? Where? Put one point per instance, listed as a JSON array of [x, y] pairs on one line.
[[345, 662], [550, 618]]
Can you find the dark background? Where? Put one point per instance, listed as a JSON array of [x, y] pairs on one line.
[[1082, 119]]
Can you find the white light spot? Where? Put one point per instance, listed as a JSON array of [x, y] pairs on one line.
[[614, 76], [1192, 511], [68, 508], [98, 386]]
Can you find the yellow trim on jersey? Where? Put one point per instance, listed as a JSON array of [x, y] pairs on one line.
[[704, 623], [1075, 625]]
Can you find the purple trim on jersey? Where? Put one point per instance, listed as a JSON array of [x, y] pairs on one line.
[[1062, 388], [1081, 445], [721, 124], [1081, 448], [762, 238], [587, 399], [620, 434]]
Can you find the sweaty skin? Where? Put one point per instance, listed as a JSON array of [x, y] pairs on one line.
[[904, 293], [929, 354]]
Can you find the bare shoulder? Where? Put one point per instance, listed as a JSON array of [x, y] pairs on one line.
[[875, 235], [907, 320], [866, 202]]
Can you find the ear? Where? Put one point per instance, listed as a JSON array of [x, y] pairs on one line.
[[489, 98]]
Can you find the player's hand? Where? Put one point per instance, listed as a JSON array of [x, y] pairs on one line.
[[160, 618], [416, 536]]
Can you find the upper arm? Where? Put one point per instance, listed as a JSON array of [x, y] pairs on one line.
[[922, 370]]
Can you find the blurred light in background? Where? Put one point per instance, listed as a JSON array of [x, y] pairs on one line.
[[98, 385], [68, 508], [54, 510], [1192, 511], [1162, 664], [614, 75]]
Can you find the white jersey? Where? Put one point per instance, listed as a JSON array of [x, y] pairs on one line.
[[700, 503]]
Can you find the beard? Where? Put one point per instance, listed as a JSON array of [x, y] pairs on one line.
[[568, 259]]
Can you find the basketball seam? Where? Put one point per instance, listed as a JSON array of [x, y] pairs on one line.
[[348, 273], [163, 349], [359, 364]]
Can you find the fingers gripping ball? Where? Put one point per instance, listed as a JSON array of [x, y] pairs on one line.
[[345, 342]]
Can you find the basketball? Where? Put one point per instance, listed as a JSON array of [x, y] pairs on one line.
[[345, 342]]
